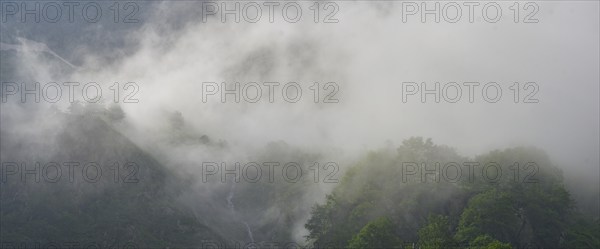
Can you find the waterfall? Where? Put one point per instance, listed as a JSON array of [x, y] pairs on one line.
[[230, 196], [229, 199], [249, 232]]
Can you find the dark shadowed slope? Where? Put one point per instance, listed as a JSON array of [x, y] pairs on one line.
[[136, 205]]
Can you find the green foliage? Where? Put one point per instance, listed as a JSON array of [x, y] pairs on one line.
[[524, 213], [490, 212], [436, 234], [526, 206], [375, 187], [376, 234], [582, 233], [487, 242]]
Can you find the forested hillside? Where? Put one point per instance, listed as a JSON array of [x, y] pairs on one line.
[[381, 204], [419, 195]]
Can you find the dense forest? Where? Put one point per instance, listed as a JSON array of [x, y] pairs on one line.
[[377, 206]]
